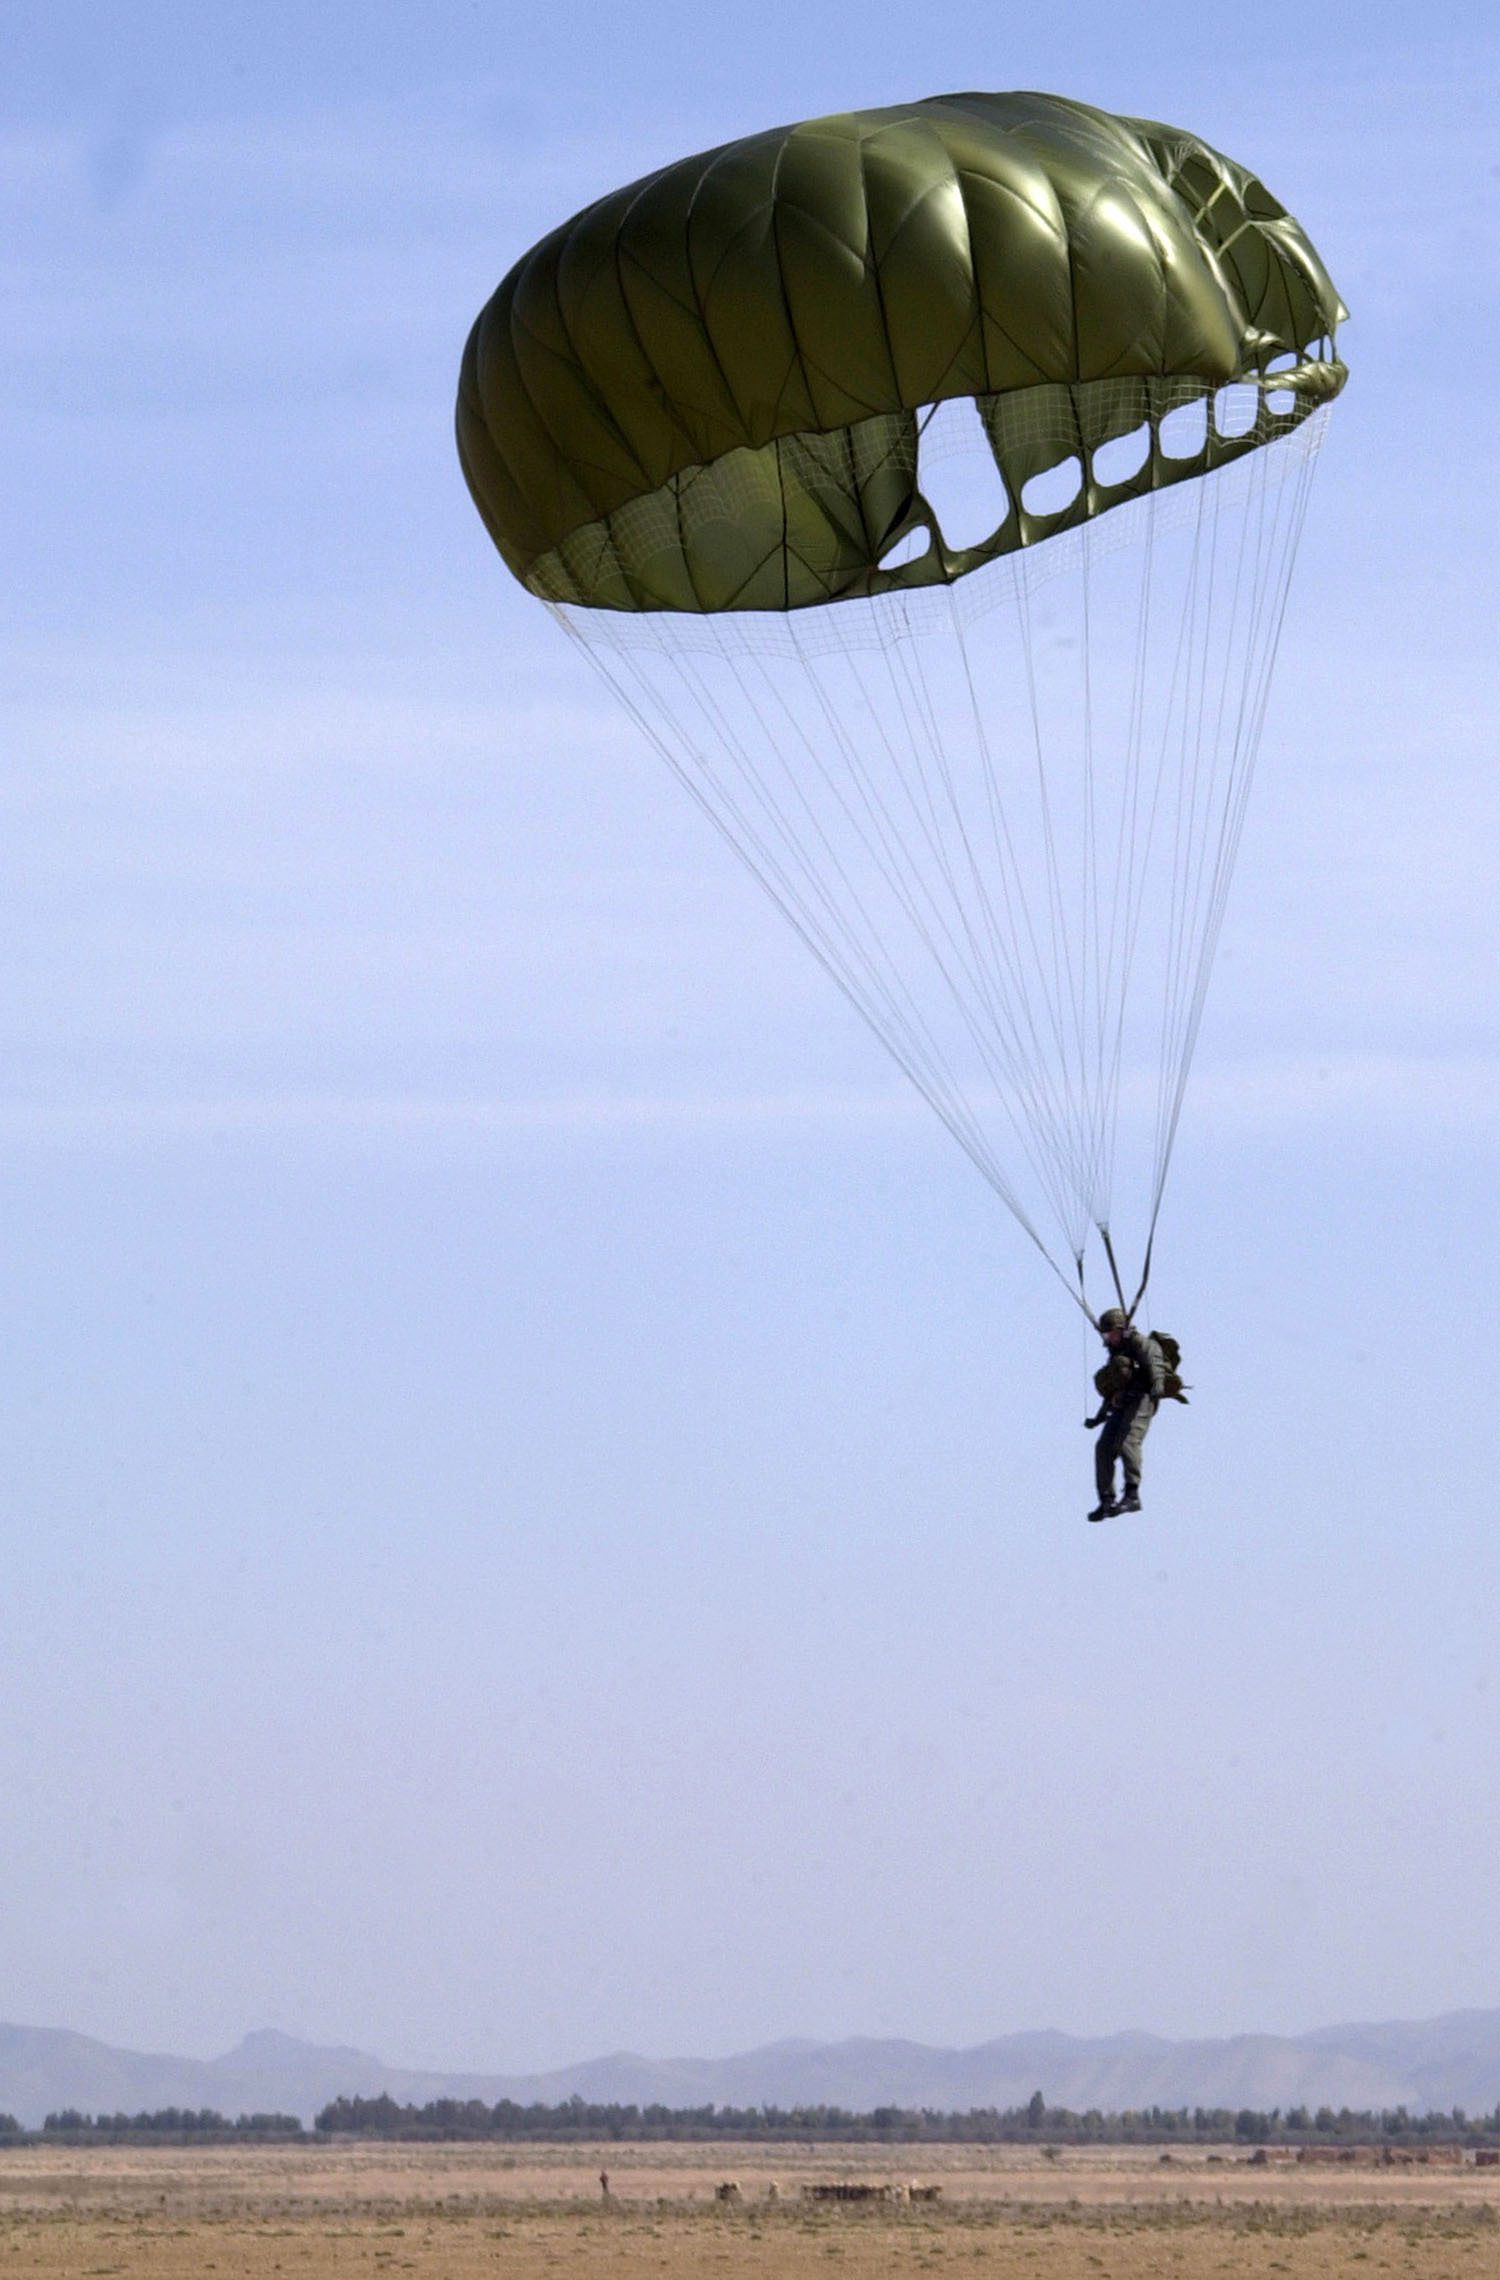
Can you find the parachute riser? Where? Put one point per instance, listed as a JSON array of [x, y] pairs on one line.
[[1127, 1307]]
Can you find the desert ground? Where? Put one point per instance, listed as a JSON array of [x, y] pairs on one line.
[[455, 2212]]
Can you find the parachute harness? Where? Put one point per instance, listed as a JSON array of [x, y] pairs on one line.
[[1003, 813]]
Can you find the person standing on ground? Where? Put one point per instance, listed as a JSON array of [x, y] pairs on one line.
[[1132, 1383]]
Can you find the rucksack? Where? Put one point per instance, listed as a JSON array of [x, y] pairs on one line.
[[1171, 1354]]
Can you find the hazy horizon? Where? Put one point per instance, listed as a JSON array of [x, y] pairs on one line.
[[1433, 2066], [405, 2062]]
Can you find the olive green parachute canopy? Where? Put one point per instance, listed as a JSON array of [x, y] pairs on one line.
[[1029, 398], [704, 393]]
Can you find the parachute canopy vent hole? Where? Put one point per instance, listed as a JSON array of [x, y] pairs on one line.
[[1123, 456], [910, 548], [1236, 410], [1281, 400], [1055, 488], [1184, 430], [957, 475]]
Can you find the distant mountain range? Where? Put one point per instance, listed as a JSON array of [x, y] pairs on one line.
[[1424, 2065]]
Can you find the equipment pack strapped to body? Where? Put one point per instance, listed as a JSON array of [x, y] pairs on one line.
[[1171, 1354], [1116, 1381]]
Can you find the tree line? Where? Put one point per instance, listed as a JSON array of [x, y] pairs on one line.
[[168, 2124], [580, 2119]]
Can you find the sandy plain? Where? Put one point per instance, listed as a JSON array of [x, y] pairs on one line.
[[354, 2212]]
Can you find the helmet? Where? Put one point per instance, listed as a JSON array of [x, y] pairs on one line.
[[1114, 1318]]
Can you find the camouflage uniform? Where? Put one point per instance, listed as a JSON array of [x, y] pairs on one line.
[[1128, 1413]]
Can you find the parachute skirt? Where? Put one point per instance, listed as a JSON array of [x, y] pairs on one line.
[[822, 518]]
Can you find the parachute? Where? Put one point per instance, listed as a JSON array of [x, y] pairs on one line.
[[926, 483]]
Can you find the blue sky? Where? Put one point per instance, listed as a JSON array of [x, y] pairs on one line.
[[544, 1500]]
